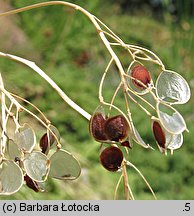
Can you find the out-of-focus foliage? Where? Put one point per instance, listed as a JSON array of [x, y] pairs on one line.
[[64, 43]]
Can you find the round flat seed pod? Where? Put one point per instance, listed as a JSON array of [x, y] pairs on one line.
[[141, 76], [165, 139], [111, 158], [97, 125], [172, 87], [11, 178], [64, 166], [36, 165], [117, 128], [140, 79]]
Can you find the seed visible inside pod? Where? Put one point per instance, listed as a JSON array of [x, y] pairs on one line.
[[44, 142], [111, 158], [117, 128], [31, 184], [159, 134], [140, 73], [97, 124]]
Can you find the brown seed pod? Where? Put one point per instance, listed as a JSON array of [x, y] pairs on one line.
[[140, 73], [159, 134], [44, 145], [96, 127], [31, 184], [44, 142], [117, 128], [111, 158]]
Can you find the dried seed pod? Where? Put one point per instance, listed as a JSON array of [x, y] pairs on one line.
[[159, 134], [117, 128], [126, 144], [140, 73], [31, 184], [96, 127], [111, 158], [44, 145]]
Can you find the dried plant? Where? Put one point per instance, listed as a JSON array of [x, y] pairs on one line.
[[110, 125]]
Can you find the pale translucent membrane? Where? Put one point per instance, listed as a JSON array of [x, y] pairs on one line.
[[137, 138], [172, 87], [51, 136], [25, 138], [64, 166], [172, 121], [11, 178], [13, 151], [174, 141], [36, 165]]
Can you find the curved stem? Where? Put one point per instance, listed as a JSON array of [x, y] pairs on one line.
[[134, 167], [33, 66], [117, 187], [125, 181], [92, 18], [100, 32]]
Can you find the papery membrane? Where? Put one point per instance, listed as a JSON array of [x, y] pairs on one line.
[[171, 119], [172, 87], [64, 166], [11, 178], [36, 165]]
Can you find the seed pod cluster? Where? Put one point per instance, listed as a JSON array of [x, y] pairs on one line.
[[111, 158], [115, 128]]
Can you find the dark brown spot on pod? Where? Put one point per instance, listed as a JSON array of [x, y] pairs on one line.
[[111, 158], [126, 144], [31, 184], [159, 134], [117, 128], [140, 73], [97, 124]]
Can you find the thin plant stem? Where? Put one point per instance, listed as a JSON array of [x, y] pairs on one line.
[[35, 107], [102, 80], [117, 187], [134, 167], [33, 66], [3, 119], [125, 181], [115, 94], [85, 12]]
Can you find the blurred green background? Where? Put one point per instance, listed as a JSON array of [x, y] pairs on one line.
[[65, 44]]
